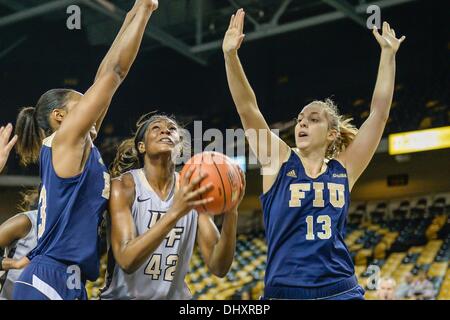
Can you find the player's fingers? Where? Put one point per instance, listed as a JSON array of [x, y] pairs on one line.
[[231, 22], [11, 144], [241, 22], [385, 28], [235, 16], [376, 34], [402, 39], [195, 194], [6, 133], [236, 20], [198, 179], [188, 175], [201, 202]]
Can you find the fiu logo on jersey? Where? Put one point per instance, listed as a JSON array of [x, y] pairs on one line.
[[337, 196], [174, 234]]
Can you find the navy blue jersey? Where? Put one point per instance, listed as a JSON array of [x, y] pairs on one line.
[[305, 223], [70, 212]]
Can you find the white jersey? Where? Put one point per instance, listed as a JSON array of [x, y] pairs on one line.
[[162, 275], [18, 250]]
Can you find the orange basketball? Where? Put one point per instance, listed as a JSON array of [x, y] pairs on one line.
[[224, 177]]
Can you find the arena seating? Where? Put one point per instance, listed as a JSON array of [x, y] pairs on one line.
[[93, 288], [408, 236]]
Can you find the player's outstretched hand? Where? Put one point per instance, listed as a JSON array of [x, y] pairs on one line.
[[388, 40], [5, 144], [235, 33]]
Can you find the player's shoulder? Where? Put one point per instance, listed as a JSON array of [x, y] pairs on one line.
[[32, 214], [340, 160], [336, 165], [123, 185]]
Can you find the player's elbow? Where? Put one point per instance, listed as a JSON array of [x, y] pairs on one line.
[[120, 72], [221, 274], [126, 263], [116, 72], [247, 108], [128, 266], [219, 270]]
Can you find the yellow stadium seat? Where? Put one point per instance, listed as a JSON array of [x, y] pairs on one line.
[[415, 250], [438, 269], [362, 255], [380, 251]]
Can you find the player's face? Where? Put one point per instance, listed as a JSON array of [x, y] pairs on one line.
[[386, 291], [312, 129], [162, 137]]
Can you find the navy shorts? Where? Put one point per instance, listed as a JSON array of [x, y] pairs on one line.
[[357, 293], [48, 279], [346, 289]]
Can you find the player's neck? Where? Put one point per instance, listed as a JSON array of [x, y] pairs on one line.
[[313, 162], [160, 175]]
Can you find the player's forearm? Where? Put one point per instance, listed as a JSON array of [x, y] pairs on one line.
[[243, 96], [223, 252], [106, 60], [135, 252], [384, 87], [129, 17], [8, 263], [124, 54]]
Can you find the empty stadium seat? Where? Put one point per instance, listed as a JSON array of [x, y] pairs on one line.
[[402, 211]]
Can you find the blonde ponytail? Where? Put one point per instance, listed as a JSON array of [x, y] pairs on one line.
[[346, 131]]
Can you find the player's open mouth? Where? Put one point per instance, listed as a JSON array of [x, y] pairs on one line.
[[166, 141], [302, 134]]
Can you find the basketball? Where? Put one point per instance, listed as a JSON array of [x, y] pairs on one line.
[[224, 177]]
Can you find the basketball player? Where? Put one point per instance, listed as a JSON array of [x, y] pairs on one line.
[[5, 144], [306, 195], [153, 223], [75, 182], [18, 236]]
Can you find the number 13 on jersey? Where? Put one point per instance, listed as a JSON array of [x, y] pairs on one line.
[[324, 234]]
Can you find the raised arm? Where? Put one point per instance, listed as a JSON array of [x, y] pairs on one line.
[[217, 248], [106, 60], [270, 149], [359, 153], [130, 250], [111, 74]]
